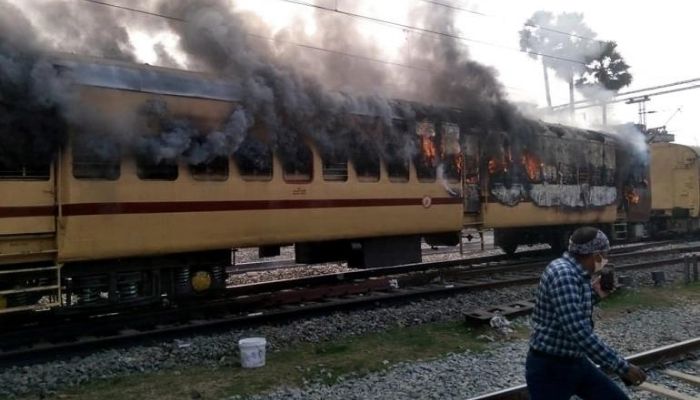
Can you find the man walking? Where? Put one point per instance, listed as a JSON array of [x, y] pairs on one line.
[[563, 340]]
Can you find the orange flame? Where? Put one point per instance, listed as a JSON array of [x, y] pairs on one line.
[[632, 196], [459, 161], [532, 166], [495, 165], [428, 150]]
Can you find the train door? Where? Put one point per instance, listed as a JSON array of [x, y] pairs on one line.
[[27, 206], [28, 271], [686, 187], [472, 195]]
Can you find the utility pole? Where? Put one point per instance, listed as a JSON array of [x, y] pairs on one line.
[[604, 108], [546, 84], [642, 104]]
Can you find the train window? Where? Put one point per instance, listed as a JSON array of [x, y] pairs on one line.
[[212, 170], [19, 170], [159, 170], [398, 169], [395, 159], [254, 160], [426, 158], [297, 163], [96, 157], [335, 167], [366, 162], [451, 153]]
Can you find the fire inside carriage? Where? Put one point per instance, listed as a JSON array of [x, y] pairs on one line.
[[99, 224]]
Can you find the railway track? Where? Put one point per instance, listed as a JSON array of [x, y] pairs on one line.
[[55, 336], [257, 266], [661, 358]]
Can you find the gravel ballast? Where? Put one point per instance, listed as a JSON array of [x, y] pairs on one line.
[[460, 376], [650, 327]]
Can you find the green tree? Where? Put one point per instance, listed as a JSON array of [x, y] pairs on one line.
[[607, 69]]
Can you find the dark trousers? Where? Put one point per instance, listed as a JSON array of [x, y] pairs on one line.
[[557, 378]]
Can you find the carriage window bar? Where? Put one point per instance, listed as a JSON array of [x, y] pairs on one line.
[[254, 160], [335, 168], [96, 157], [214, 170], [426, 156], [451, 153]]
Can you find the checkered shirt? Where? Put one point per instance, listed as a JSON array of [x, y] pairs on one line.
[[563, 318]]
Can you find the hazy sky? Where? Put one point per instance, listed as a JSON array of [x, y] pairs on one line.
[[656, 39]]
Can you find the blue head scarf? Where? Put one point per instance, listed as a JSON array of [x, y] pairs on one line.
[[599, 244]]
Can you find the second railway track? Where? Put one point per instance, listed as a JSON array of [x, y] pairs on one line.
[[289, 299]]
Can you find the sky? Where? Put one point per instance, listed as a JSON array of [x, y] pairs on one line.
[[654, 40]]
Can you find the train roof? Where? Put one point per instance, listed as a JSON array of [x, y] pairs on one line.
[[91, 71], [114, 74]]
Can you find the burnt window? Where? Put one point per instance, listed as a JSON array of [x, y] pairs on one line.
[[297, 163], [215, 169], [254, 160], [398, 169], [19, 170], [96, 157], [568, 174], [425, 159], [335, 167], [366, 162], [18, 162], [584, 175], [150, 168], [396, 158], [452, 161]]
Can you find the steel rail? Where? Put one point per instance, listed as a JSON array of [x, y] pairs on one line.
[[240, 311], [651, 358]]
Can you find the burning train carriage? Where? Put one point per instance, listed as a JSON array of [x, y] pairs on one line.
[[539, 189], [106, 223]]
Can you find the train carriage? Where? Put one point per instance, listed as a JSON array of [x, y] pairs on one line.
[[118, 226]]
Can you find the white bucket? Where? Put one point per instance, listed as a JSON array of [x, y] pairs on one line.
[[252, 352]]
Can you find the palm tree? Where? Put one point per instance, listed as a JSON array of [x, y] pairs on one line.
[[607, 70], [563, 42]]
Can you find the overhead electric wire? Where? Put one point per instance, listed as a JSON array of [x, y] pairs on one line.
[[544, 28], [102, 3], [594, 103], [430, 31], [301, 45]]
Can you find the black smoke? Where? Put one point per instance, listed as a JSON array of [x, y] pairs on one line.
[[31, 122], [342, 104]]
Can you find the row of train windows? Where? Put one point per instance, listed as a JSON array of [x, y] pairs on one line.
[[255, 163], [253, 169], [218, 170]]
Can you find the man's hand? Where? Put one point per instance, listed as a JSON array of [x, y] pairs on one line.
[[595, 284], [635, 375]]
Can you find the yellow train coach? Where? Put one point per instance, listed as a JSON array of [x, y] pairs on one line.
[[675, 174], [95, 224]]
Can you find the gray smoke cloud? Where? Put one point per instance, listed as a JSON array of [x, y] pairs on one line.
[[287, 92]]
